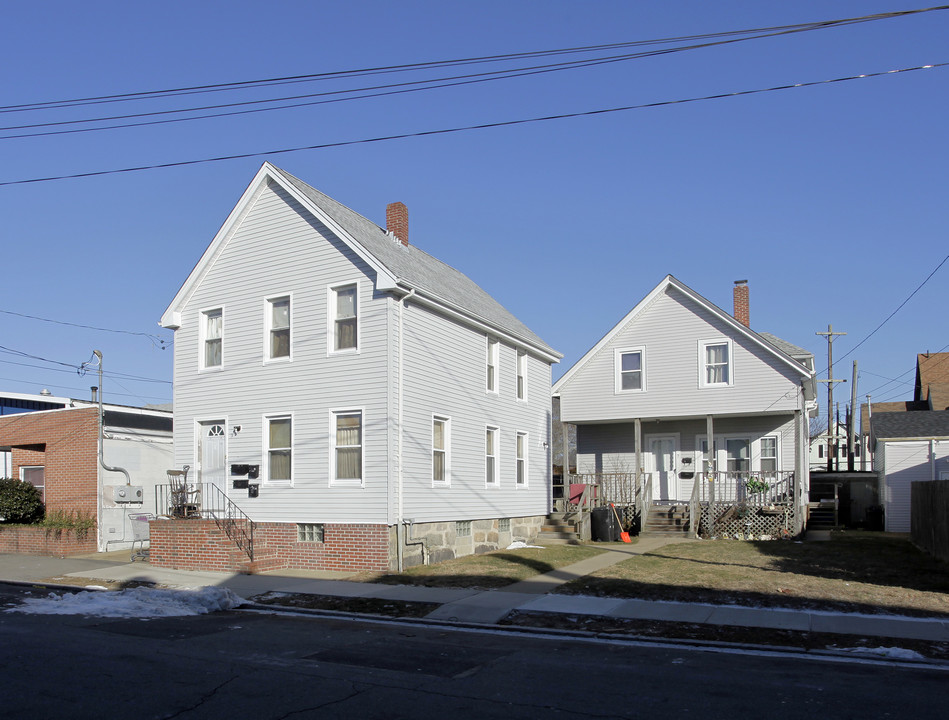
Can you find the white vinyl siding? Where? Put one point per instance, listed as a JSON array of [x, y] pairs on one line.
[[905, 462], [673, 325], [304, 259]]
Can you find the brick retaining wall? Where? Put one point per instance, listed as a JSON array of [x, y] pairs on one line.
[[46, 541]]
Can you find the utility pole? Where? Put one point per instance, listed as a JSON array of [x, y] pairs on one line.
[[831, 429], [851, 441]]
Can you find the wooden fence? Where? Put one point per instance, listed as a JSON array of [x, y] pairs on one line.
[[929, 517]]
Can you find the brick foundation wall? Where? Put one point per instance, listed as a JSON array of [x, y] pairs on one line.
[[46, 541], [65, 442], [200, 545]]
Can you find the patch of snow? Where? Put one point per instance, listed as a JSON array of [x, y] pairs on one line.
[[134, 602], [888, 652], [96, 587], [518, 545]]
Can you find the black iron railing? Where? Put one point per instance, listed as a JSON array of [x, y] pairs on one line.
[[207, 501]]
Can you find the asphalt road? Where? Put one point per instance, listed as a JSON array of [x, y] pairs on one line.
[[238, 665]]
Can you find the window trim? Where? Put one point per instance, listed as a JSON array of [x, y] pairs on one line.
[[521, 442], [492, 370], [496, 434], [331, 295], [268, 328], [618, 369], [446, 421], [759, 456], [41, 488], [204, 314], [265, 459], [703, 365], [334, 413], [520, 376]]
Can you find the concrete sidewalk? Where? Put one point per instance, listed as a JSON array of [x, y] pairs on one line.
[[479, 606]]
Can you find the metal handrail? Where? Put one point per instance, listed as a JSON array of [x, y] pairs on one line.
[[208, 501]]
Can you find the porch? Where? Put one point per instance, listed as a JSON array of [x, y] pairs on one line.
[[739, 505]]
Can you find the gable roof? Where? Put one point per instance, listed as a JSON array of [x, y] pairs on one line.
[[772, 347], [914, 424], [400, 269]]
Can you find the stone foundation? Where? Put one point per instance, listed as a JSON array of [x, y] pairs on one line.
[[427, 543]]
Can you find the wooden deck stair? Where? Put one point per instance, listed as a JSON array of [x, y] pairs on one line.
[[667, 519]]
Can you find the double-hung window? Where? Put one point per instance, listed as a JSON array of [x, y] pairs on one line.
[[737, 455], [491, 384], [491, 456], [347, 455], [521, 455], [36, 476], [521, 375], [213, 329], [629, 370], [278, 328], [715, 363], [440, 450], [279, 448], [769, 454], [345, 318]]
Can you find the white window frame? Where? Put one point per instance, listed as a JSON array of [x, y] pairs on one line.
[[265, 460], [496, 435], [492, 369], [446, 450], [521, 455], [703, 365], [205, 315], [331, 305], [41, 488], [777, 453], [618, 369], [268, 328], [520, 375], [335, 413]]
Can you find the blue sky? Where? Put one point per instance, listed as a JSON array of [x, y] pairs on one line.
[[829, 200]]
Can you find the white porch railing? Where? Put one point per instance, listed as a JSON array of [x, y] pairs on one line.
[[756, 489]]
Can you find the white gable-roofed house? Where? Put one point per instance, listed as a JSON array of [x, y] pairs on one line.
[[676, 376], [364, 405]]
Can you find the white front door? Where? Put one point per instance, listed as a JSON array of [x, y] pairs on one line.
[[661, 456], [212, 459]]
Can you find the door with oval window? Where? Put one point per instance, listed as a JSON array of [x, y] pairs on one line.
[[212, 463]]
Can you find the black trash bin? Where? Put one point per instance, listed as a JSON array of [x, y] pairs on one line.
[[875, 517], [603, 525]]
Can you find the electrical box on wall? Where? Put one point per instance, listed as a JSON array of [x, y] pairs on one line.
[[128, 493]]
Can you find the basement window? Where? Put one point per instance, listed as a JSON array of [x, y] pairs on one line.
[[310, 532], [504, 525], [463, 528]]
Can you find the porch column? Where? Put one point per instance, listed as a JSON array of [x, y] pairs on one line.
[[710, 432], [638, 432]]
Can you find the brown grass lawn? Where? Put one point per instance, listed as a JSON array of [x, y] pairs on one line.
[[854, 571], [490, 570]]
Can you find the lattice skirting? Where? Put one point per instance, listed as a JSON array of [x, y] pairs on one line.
[[738, 523]]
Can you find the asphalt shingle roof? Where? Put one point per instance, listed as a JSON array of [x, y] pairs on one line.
[[417, 269], [911, 424]]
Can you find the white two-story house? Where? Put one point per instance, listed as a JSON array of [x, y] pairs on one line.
[[678, 376], [364, 404]]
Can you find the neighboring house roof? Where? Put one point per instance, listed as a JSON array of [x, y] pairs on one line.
[[915, 424], [939, 396], [402, 268], [767, 342], [931, 369]]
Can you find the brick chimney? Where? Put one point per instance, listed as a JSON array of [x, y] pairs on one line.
[[742, 310], [397, 221]]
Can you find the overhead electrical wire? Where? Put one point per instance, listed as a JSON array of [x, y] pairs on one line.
[[467, 128], [249, 84], [155, 339]]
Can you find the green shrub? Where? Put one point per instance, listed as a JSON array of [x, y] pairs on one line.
[[63, 520], [20, 502]]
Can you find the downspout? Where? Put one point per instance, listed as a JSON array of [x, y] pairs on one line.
[[101, 443], [399, 530]]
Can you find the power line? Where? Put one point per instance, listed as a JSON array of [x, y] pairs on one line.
[[250, 84], [483, 126], [72, 371], [900, 307], [156, 340]]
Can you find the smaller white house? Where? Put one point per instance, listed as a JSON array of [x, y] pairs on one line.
[[834, 445], [909, 447]]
